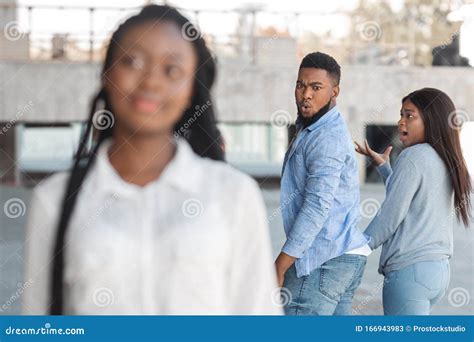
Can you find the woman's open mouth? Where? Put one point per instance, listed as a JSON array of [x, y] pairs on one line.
[[403, 135]]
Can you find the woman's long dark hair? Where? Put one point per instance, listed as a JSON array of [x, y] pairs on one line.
[[442, 133], [201, 130]]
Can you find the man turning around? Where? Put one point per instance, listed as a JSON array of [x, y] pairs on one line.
[[324, 256]]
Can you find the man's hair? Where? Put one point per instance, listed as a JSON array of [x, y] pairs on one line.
[[322, 61]]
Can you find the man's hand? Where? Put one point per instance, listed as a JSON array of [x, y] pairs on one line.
[[282, 264]]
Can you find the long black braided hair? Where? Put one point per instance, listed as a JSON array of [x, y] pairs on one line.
[[203, 134]]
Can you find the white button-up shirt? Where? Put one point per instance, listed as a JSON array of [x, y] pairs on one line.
[[194, 241]]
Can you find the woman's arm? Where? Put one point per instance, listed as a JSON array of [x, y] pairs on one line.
[[402, 186], [40, 228], [385, 171]]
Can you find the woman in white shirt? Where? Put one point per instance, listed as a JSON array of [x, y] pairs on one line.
[[144, 223]]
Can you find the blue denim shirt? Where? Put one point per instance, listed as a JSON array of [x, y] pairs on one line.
[[320, 194]]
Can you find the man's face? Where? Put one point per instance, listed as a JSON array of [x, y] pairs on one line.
[[314, 89]]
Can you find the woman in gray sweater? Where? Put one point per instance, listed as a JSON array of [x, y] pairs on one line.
[[427, 187]]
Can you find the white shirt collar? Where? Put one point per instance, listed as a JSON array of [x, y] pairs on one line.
[[182, 172]]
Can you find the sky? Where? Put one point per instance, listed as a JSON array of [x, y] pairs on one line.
[[222, 25]]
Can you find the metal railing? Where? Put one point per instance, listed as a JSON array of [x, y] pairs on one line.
[[369, 41], [87, 41]]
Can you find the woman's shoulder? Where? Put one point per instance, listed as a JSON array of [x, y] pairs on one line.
[[422, 159], [418, 148], [51, 190], [226, 175], [420, 154], [212, 173]]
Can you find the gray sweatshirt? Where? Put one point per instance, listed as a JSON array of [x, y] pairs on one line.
[[415, 222]]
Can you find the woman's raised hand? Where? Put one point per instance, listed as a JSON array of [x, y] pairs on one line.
[[378, 158]]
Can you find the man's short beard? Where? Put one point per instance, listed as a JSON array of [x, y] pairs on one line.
[[307, 121]]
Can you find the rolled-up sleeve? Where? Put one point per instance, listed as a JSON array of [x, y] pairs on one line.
[[324, 161], [385, 171]]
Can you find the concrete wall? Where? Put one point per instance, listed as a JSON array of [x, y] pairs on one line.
[[244, 92], [58, 91]]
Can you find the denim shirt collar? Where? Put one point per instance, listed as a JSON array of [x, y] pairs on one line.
[[331, 113], [302, 132]]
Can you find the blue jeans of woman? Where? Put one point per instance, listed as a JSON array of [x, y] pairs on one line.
[[413, 290]]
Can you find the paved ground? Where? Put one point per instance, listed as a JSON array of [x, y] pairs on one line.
[[458, 300]]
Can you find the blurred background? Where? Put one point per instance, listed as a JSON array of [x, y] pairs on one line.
[[50, 60]]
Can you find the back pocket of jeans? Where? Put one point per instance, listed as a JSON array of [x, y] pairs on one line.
[[337, 275], [430, 274]]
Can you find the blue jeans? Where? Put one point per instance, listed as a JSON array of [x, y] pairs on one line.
[[327, 290], [413, 290]]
